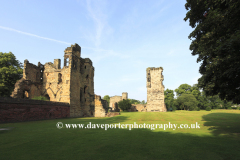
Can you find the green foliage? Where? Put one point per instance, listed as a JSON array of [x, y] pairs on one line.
[[143, 102], [208, 108], [225, 104], [238, 108], [187, 102], [216, 41], [169, 99], [203, 100], [183, 89], [10, 72], [107, 98], [134, 101], [40, 98], [125, 104], [198, 109], [174, 108], [229, 108]]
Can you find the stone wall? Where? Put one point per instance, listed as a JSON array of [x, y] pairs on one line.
[[155, 90], [112, 114], [101, 107], [115, 99], [138, 108], [113, 102], [16, 110], [73, 84]]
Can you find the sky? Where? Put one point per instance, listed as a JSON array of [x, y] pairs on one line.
[[121, 37]]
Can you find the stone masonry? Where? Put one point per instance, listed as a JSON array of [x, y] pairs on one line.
[[73, 84], [155, 90], [101, 107], [115, 99]]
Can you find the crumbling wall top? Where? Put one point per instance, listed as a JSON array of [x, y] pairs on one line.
[[74, 47], [153, 68], [74, 50]]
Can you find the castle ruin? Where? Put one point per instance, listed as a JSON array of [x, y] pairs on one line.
[[115, 99], [155, 90], [74, 83]]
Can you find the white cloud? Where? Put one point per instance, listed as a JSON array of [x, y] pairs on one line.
[[102, 54], [95, 11], [33, 35]]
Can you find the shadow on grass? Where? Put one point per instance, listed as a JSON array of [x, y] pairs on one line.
[[119, 144], [223, 123], [44, 141], [104, 120]]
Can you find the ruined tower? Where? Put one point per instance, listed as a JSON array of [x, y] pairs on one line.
[[155, 90], [124, 95], [81, 74], [72, 84]]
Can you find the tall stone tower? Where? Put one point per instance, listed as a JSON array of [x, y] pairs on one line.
[[155, 90], [124, 95], [81, 82]]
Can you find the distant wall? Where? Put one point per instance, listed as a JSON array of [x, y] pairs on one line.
[[138, 108], [17, 110], [112, 114], [113, 102], [101, 107]]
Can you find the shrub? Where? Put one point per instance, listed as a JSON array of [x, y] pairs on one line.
[[238, 108], [229, 108], [40, 98], [174, 108], [208, 108], [124, 105], [191, 108], [194, 108]]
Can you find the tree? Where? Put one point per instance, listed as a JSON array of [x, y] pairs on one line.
[[169, 99], [124, 105], [216, 41], [214, 101], [107, 98], [203, 101], [134, 101], [195, 91], [10, 72], [183, 88], [143, 102], [225, 104], [187, 102]]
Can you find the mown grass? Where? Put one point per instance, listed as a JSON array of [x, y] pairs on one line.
[[217, 138]]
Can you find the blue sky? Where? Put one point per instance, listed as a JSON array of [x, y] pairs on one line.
[[121, 37]]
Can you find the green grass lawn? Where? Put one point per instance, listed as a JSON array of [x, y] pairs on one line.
[[217, 138]]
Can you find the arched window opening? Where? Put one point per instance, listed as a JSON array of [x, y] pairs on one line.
[[25, 94], [85, 89], [47, 97], [66, 62], [87, 80]]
